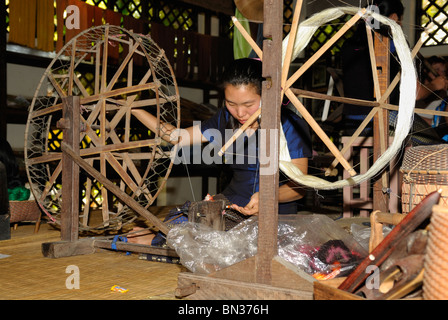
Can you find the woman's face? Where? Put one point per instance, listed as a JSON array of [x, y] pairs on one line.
[[440, 68], [242, 101]]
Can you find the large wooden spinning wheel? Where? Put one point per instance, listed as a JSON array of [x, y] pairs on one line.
[[297, 40], [124, 71]]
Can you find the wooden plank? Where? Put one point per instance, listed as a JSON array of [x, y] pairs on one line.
[[49, 184], [358, 102], [70, 171], [224, 289], [71, 73], [63, 249], [325, 292]]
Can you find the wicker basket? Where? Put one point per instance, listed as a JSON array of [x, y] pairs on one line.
[[425, 169], [24, 211], [435, 279]]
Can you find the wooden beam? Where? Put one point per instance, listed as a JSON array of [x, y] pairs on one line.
[[135, 247], [205, 288], [270, 121], [63, 249], [70, 171], [381, 119]]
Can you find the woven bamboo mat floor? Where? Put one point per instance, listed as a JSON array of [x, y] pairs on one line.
[[26, 275]]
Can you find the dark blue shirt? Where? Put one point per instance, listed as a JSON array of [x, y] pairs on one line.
[[242, 156]]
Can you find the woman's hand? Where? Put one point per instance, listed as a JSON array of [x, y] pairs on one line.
[[252, 208], [439, 83]]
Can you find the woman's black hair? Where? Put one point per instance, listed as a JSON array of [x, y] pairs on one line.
[[247, 72], [243, 72], [389, 7], [436, 59], [8, 158], [386, 8]]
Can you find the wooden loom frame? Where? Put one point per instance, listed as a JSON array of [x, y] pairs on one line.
[[266, 275]]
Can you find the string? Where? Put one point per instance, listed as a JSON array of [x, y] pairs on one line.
[[188, 175]]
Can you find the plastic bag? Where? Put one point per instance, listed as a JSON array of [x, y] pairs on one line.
[[362, 234], [202, 249], [313, 243]]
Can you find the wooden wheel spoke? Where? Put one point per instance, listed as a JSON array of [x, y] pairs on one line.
[[81, 87], [50, 157], [97, 97], [373, 64], [152, 102], [121, 68], [121, 171], [318, 130], [51, 181], [57, 87], [323, 49], [298, 105]]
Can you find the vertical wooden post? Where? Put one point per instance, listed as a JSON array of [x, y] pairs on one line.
[[270, 123], [381, 121], [70, 170]]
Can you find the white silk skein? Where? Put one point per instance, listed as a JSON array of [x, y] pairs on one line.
[[408, 87]]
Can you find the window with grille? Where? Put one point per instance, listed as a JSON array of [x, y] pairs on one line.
[[433, 14], [169, 13], [326, 32]]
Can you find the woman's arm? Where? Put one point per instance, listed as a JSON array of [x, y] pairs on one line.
[[287, 192], [170, 133]]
